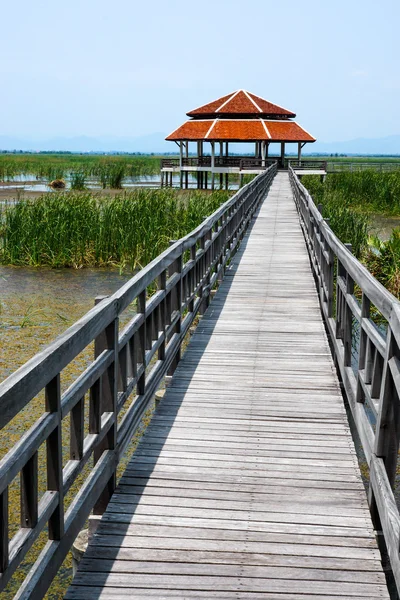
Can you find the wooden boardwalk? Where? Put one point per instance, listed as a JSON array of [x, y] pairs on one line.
[[246, 484]]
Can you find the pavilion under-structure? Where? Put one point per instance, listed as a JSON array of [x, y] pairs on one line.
[[238, 117]]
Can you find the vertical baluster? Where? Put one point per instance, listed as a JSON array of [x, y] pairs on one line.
[[176, 306], [362, 354], [4, 530], [108, 340], [202, 263], [123, 369], [330, 279], [149, 330], [77, 430], [141, 343], [95, 407], [54, 459], [29, 493], [162, 283], [369, 360], [207, 270], [348, 322], [192, 277]]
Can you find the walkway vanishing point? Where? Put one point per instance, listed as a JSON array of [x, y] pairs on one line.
[[246, 483]]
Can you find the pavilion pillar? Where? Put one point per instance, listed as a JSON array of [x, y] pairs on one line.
[[186, 172], [255, 149], [221, 181], [299, 152], [263, 154], [226, 181], [212, 164], [282, 154], [180, 164], [266, 149]]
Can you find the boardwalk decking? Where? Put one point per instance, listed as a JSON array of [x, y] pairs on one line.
[[246, 484]]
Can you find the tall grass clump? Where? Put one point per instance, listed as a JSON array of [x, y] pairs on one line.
[[383, 260], [348, 200], [49, 166], [366, 191], [83, 229], [78, 180]]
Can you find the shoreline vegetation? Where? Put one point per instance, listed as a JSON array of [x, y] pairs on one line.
[[353, 203], [109, 169], [84, 229]]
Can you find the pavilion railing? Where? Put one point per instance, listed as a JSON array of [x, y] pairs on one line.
[[307, 164], [363, 322], [167, 163], [239, 162], [106, 403]]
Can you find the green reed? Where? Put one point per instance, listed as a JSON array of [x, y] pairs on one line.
[[111, 168], [348, 200], [76, 229]]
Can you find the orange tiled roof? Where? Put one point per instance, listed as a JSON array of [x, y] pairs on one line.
[[241, 130], [241, 103], [288, 131]]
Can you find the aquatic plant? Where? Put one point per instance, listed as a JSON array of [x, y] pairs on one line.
[[348, 200], [84, 229], [78, 180], [49, 166], [383, 260]]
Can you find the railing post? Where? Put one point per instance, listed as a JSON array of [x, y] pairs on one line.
[[348, 319], [176, 305], [108, 340], [162, 314], [54, 459]]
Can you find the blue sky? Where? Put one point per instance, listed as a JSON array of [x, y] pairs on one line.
[[131, 68]]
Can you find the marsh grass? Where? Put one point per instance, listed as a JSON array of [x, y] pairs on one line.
[[350, 200], [78, 180], [76, 229], [56, 166]]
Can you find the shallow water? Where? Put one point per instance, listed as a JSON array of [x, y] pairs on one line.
[[383, 226], [37, 304], [27, 183]]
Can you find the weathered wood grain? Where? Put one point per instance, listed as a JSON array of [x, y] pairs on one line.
[[246, 483]]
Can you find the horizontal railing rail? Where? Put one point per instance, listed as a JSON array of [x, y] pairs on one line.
[[106, 403], [363, 321]]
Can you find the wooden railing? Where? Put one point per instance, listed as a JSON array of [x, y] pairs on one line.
[[239, 162], [384, 166], [301, 165], [363, 321], [128, 368]]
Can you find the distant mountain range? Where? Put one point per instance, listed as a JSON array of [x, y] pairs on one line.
[[156, 143]]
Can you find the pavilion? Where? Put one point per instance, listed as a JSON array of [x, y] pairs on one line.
[[237, 117]]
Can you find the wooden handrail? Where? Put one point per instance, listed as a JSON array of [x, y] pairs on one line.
[[348, 294], [126, 371]]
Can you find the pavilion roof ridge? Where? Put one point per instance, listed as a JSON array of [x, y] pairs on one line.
[[241, 102]]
